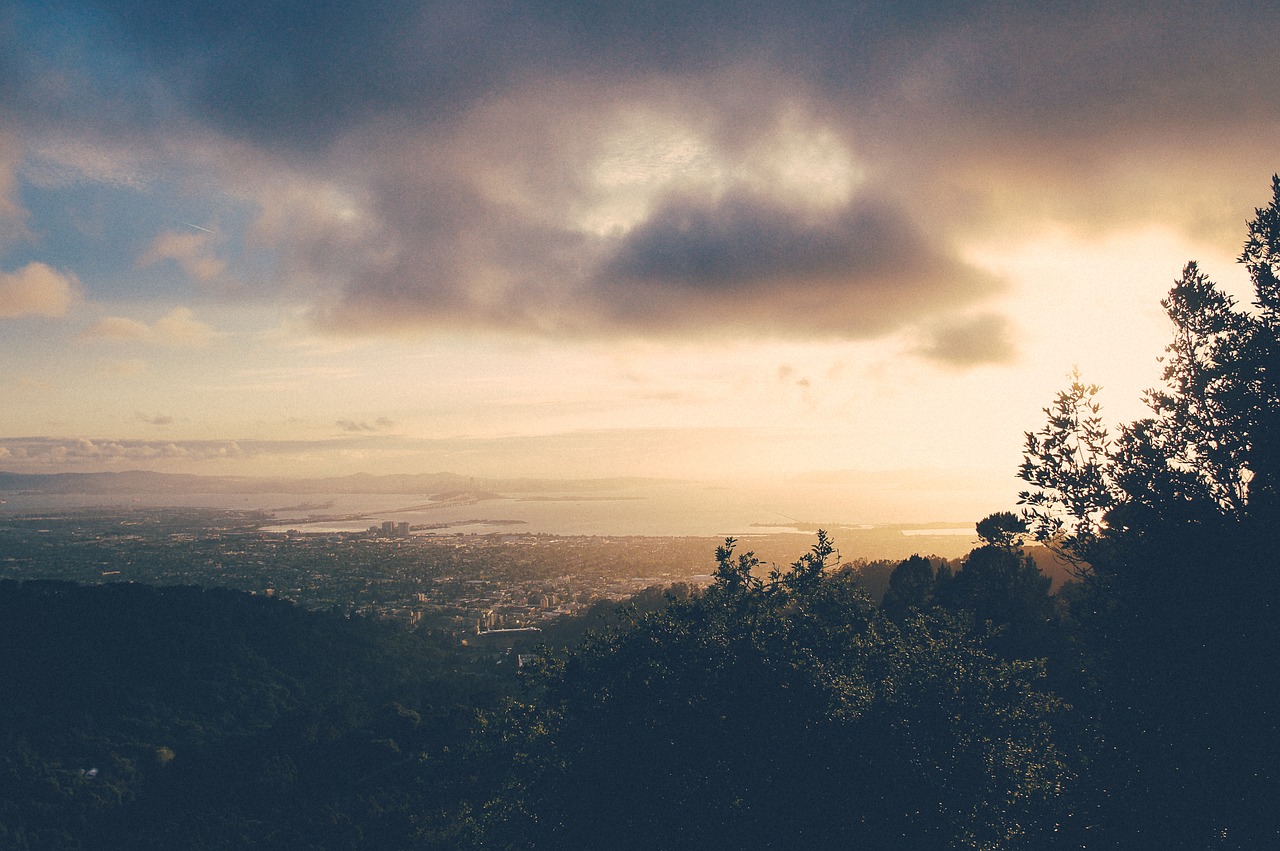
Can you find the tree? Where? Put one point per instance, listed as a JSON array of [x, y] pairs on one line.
[[1003, 588], [1008, 597], [910, 586], [1004, 530], [1070, 464], [1172, 527], [783, 712], [1211, 449]]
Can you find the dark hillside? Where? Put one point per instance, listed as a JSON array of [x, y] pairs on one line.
[[148, 703]]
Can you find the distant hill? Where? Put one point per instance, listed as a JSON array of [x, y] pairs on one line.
[[141, 481]]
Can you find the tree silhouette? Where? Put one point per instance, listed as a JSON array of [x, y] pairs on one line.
[[784, 713], [1004, 529], [910, 586], [1172, 527]]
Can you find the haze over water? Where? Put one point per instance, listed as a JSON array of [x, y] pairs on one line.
[[657, 509]]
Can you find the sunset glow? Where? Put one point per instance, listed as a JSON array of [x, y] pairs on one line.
[[691, 243]]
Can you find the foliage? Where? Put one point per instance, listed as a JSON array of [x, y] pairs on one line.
[[782, 711], [1171, 526], [999, 587], [1069, 462], [179, 717], [1211, 448], [911, 586], [1008, 597], [1004, 530], [605, 614]]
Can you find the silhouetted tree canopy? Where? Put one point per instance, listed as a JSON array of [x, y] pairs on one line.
[[178, 717], [784, 712], [910, 586], [1171, 524], [1004, 529]]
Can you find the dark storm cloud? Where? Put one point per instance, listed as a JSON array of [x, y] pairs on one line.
[[467, 135], [741, 243], [1086, 68], [739, 262], [294, 72], [297, 72], [853, 271]]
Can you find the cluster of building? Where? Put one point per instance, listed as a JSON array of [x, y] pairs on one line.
[[390, 529], [478, 587]]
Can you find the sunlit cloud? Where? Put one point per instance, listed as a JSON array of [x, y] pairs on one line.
[[191, 251], [179, 328], [128, 368], [119, 329], [37, 290]]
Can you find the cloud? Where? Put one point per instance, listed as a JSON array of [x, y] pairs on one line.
[[53, 452], [129, 368], [855, 272], [120, 329], [252, 77], [969, 342], [179, 328], [191, 251], [563, 167], [380, 424], [629, 238], [787, 375], [154, 419], [12, 215], [37, 290]]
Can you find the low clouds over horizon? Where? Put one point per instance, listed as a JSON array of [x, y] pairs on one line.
[[178, 328], [571, 169], [362, 426]]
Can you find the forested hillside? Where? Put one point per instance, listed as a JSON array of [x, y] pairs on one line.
[[180, 717]]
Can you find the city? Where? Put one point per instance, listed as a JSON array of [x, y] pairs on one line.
[[454, 583]]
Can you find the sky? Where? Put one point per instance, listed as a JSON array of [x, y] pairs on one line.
[[678, 239]]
